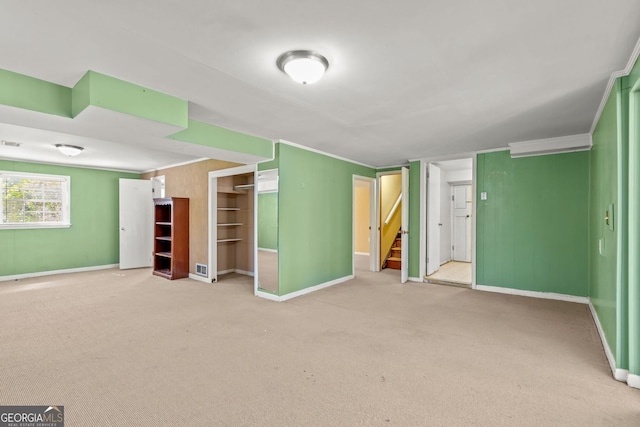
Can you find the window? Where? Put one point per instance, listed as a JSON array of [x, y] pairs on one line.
[[32, 200]]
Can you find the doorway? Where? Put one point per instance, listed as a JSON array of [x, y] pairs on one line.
[[365, 245], [449, 220], [232, 224]]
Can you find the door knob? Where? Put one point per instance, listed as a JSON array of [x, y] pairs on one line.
[[122, 228]]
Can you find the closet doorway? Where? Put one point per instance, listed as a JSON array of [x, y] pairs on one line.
[[232, 223], [449, 220]]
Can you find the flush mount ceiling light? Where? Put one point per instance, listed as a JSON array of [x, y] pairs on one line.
[[303, 66], [69, 150]]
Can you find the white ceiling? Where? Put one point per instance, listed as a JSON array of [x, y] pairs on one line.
[[407, 79]]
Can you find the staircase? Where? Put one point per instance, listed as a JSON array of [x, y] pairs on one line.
[[394, 257]]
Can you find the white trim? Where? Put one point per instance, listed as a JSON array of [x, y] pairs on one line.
[[199, 278], [403, 165], [303, 291], [175, 165], [563, 144], [445, 157], [618, 374], [53, 272], [362, 253], [267, 295], [492, 150], [231, 270], [416, 279], [633, 381], [533, 294], [324, 153], [627, 69], [245, 272], [268, 250]]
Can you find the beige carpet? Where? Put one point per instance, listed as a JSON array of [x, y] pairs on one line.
[[131, 349]]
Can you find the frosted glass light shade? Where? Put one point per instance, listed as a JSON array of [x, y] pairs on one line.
[[303, 66], [69, 150]]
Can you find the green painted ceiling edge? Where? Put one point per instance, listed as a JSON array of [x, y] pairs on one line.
[[110, 93], [225, 139]]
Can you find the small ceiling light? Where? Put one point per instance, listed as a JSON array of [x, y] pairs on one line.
[[303, 66], [69, 150], [10, 143]]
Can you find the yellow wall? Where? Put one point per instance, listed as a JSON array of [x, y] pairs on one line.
[[361, 215], [192, 181], [390, 189]]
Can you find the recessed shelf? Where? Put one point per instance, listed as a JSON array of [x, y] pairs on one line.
[[243, 187], [228, 209], [230, 224], [228, 240]]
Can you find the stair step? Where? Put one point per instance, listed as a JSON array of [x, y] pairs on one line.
[[396, 248], [394, 258], [394, 263]]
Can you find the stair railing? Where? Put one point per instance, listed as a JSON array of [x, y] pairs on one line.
[[393, 209]]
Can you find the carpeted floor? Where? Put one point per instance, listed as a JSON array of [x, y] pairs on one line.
[[125, 348]]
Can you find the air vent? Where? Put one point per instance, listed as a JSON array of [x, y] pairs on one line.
[[201, 270], [10, 143]]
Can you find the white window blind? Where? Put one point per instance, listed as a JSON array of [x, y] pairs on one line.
[[34, 200]]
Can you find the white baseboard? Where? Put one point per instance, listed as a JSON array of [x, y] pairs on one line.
[[634, 381], [267, 295], [533, 294], [268, 250], [303, 291], [618, 374], [199, 278], [246, 273], [52, 272], [362, 253], [416, 279]]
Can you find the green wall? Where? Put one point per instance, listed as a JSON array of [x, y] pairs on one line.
[[603, 192], [532, 229], [315, 218], [268, 221], [91, 240]]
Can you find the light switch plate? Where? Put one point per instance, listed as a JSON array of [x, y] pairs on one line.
[[483, 195]]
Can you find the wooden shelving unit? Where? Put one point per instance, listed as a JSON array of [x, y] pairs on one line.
[[171, 235]]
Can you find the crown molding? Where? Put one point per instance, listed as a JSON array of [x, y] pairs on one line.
[[324, 153]]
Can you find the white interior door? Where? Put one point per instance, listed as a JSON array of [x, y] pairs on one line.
[[433, 219], [404, 262], [462, 223], [136, 223]]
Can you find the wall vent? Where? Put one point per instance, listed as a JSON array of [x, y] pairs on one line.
[[201, 270]]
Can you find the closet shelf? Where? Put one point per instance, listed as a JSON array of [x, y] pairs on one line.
[[243, 187], [230, 224], [228, 240], [228, 209]]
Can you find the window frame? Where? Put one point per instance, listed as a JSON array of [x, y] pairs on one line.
[[65, 200]]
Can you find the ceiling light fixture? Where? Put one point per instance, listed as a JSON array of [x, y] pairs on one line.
[[303, 66], [69, 150]]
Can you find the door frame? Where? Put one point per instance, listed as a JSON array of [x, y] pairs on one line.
[[212, 219], [378, 213], [424, 164], [373, 243]]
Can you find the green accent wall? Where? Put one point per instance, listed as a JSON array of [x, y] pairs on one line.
[[268, 221], [20, 91], [92, 239], [225, 139], [273, 163], [532, 229], [414, 219], [603, 192], [315, 218]]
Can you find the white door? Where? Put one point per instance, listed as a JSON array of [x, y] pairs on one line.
[[136, 223], [404, 260], [433, 219], [462, 223]]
